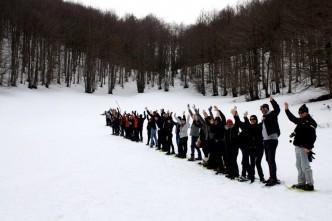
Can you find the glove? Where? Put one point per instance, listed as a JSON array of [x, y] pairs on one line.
[[311, 156]]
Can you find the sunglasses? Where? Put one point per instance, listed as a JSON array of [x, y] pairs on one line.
[[253, 119]]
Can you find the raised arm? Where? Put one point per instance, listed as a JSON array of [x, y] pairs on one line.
[[210, 112], [291, 116], [221, 115], [275, 106], [190, 112], [200, 118], [147, 111]]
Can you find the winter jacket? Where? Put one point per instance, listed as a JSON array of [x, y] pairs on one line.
[[151, 123], [270, 120], [135, 122], [141, 121], [168, 127], [195, 128], [218, 131], [231, 135], [183, 128], [244, 134], [305, 131]]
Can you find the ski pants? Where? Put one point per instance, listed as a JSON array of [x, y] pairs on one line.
[[303, 167]]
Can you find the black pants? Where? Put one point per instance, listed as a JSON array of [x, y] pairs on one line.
[[167, 144], [140, 133], [255, 155], [232, 152], [122, 130], [214, 155], [205, 148], [193, 147], [135, 135], [108, 121], [270, 147], [149, 135], [160, 138], [183, 146], [245, 160]]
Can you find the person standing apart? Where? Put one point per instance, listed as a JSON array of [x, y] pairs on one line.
[[304, 139]]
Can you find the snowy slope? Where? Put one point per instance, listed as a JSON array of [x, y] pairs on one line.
[[59, 162]]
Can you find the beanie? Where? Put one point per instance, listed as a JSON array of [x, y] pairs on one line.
[[303, 109], [229, 122]]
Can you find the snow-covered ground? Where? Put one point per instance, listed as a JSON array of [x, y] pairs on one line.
[[58, 161]]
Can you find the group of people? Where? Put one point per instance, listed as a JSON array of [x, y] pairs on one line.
[[216, 142], [128, 125]]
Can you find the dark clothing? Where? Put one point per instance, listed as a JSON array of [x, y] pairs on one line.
[[255, 149], [232, 150], [243, 141], [271, 124], [255, 156], [194, 146], [305, 131], [245, 160], [182, 151], [168, 130], [271, 119], [152, 121], [270, 147]]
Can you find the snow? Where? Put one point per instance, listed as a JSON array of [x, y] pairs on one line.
[[58, 161]]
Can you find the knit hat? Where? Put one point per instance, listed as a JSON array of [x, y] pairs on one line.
[[265, 106], [229, 122], [303, 109]]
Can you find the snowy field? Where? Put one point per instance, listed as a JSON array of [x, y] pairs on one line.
[[58, 162]]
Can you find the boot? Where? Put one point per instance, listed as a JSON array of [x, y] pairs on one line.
[[198, 158], [298, 186], [272, 182], [308, 187], [243, 179], [192, 158], [262, 180]]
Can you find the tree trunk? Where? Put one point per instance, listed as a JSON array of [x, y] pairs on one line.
[[202, 88], [328, 50], [15, 41], [214, 79], [290, 76]]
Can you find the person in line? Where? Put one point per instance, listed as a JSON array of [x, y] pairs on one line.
[[270, 133], [243, 141], [194, 133], [232, 149], [183, 143], [153, 129], [141, 120]]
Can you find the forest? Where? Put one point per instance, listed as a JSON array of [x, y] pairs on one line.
[[254, 49]]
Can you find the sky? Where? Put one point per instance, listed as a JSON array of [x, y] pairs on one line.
[[171, 11]]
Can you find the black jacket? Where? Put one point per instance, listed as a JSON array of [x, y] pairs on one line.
[[305, 131], [231, 136], [243, 138], [251, 133], [271, 119]]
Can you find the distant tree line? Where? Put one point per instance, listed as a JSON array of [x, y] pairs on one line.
[[255, 49]]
